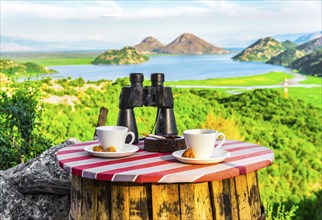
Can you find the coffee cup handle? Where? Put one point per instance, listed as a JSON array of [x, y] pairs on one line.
[[222, 140], [133, 136]]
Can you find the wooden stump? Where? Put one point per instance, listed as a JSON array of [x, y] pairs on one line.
[[234, 198], [101, 119]]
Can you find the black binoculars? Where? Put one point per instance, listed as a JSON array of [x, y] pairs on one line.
[[155, 95]]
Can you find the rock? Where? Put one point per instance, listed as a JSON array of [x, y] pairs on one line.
[[37, 189]]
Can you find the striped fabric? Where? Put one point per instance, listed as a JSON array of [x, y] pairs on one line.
[[154, 167]]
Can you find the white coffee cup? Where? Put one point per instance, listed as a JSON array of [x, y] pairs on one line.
[[113, 136], [202, 141]]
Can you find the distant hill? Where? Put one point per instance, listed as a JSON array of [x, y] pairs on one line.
[[148, 45], [310, 64], [307, 37], [311, 46], [262, 50], [306, 58], [287, 57], [12, 68], [191, 44], [127, 55], [289, 44]]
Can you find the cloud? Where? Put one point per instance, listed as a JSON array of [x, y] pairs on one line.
[[61, 9], [169, 12], [112, 21]]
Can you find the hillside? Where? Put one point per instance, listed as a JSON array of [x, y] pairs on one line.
[[148, 45], [127, 55], [262, 50], [287, 57], [310, 64], [311, 46], [288, 44], [191, 44], [261, 116], [12, 68]]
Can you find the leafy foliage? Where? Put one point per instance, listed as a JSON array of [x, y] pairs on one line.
[[19, 115], [290, 127]]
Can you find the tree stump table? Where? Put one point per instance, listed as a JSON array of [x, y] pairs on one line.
[[152, 185]]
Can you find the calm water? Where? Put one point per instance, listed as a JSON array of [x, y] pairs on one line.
[[174, 68]]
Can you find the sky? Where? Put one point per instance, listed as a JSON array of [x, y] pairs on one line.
[[114, 24]]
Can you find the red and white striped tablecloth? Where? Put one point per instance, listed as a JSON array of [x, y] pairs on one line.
[[154, 167]]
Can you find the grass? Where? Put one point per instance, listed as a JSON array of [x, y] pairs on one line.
[[53, 58], [59, 61], [309, 95], [312, 80], [271, 78]]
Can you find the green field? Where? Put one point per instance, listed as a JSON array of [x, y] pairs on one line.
[[53, 58], [271, 78], [309, 95], [312, 80]]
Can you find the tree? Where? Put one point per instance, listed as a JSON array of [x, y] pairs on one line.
[[20, 112]]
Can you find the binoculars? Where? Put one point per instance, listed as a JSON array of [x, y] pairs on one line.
[[155, 95]]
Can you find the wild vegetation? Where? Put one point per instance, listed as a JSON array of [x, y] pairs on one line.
[[262, 50], [287, 126], [310, 64], [127, 55], [305, 58], [53, 58], [271, 78], [12, 68]]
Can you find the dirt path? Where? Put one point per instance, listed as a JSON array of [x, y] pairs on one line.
[[297, 78]]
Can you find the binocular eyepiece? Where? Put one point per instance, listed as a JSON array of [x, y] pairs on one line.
[[155, 95], [137, 79]]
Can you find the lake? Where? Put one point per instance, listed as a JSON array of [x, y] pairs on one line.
[[174, 67]]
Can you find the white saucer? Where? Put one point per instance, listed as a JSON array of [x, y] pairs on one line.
[[218, 155], [127, 150]]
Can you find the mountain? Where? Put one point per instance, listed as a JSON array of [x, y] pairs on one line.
[[12, 68], [307, 37], [306, 57], [191, 44], [310, 64], [290, 37], [11, 44], [298, 38], [148, 45], [288, 44], [127, 55], [20, 44], [311, 45], [287, 57], [262, 50]]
